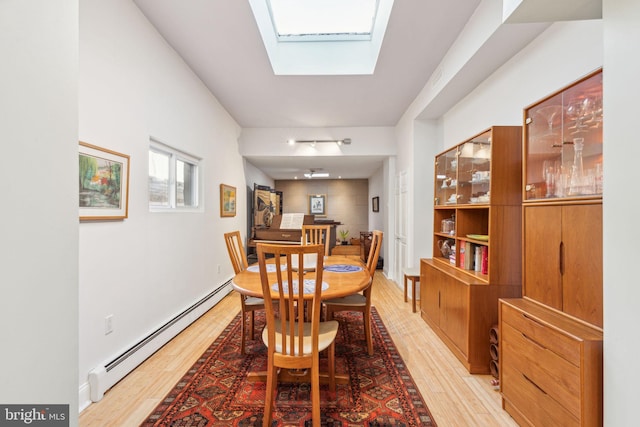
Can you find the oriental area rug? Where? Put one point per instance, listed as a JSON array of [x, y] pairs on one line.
[[215, 391]]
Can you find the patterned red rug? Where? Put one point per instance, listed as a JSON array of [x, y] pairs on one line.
[[215, 391]]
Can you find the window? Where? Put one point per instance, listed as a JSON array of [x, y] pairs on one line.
[[322, 37], [315, 20], [173, 178]]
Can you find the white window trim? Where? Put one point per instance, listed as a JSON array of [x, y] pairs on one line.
[[177, 154]]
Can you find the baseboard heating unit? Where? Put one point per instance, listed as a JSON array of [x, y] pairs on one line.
[[102, 378]]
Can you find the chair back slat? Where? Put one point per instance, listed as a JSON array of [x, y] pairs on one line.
[[374, 252], [291, 320], [236, 251], [317, 235]]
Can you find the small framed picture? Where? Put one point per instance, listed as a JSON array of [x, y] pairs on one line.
[[375, 204], [103, 184], [227, 200], [318, 204]]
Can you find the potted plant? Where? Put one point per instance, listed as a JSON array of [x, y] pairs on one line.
[[343, 236]]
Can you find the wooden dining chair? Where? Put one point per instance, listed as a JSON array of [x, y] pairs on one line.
[[248, 305], [361, 301], [294, 343], [317, 235]]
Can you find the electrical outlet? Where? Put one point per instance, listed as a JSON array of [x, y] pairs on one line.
[[108, 324], [219, 269]]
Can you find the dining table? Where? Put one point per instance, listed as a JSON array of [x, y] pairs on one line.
[[341, 276]]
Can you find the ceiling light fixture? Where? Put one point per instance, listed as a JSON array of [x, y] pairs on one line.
[[313, 142], [313, 174]]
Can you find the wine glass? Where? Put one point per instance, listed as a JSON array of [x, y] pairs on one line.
[[580, 111], [549, 113], [549, 171]]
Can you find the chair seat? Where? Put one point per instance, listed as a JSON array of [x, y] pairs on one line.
[[355, 299], [253, 301], [327, 334]]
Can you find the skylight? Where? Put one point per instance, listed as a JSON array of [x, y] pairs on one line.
[[317, 20], [322, 37]]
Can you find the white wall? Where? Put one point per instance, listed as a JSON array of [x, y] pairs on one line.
[[38, 182], [621, 211], [551, 61], [148, 268], [253, 175]]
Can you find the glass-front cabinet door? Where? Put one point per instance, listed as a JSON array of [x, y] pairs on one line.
[[463, 173], [446, 181], [563, 143], [474, 164]]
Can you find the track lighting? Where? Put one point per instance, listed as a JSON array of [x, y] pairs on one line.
[[313, 142]]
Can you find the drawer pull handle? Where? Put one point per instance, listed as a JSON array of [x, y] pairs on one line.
[[534, 384], [528, 338], [531, 319]]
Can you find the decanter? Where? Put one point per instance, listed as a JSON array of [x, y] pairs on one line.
[[577, 170]]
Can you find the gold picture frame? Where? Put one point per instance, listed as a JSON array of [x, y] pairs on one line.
[[103, 183], [228, 200], [318, 204]]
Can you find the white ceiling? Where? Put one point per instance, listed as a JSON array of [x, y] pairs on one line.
[[220, 41]]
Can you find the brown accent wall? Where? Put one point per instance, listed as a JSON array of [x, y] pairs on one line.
[[347, 200]]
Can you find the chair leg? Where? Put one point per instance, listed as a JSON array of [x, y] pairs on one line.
[[367, 330], [315, 393], [252, 325], [272, 383], [243, 331], [332, 368]]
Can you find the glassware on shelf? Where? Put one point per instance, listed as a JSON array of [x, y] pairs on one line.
[[549, 174], [581, 183], [549, 113], [582, 113], [563, 143]]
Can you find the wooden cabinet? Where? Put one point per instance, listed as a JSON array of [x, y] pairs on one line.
[[551, 366], [461, 310], [551, 340], [477, 206], [563, 258]]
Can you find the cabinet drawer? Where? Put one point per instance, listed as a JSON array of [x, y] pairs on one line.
[[552, 374], [537, 406], [536, 330]]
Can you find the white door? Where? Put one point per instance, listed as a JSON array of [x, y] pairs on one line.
[[400, 224]]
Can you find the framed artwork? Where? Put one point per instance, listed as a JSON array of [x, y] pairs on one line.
[[227, 200], [318, 204], [375, 204], [103, 183]]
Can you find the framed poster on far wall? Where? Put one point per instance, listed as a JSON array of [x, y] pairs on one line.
[[318, 204], [375, 204]]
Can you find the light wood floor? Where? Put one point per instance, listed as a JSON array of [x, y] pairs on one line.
[[454, 397]]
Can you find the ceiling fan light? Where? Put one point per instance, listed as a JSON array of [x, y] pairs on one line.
[[316, 175]]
